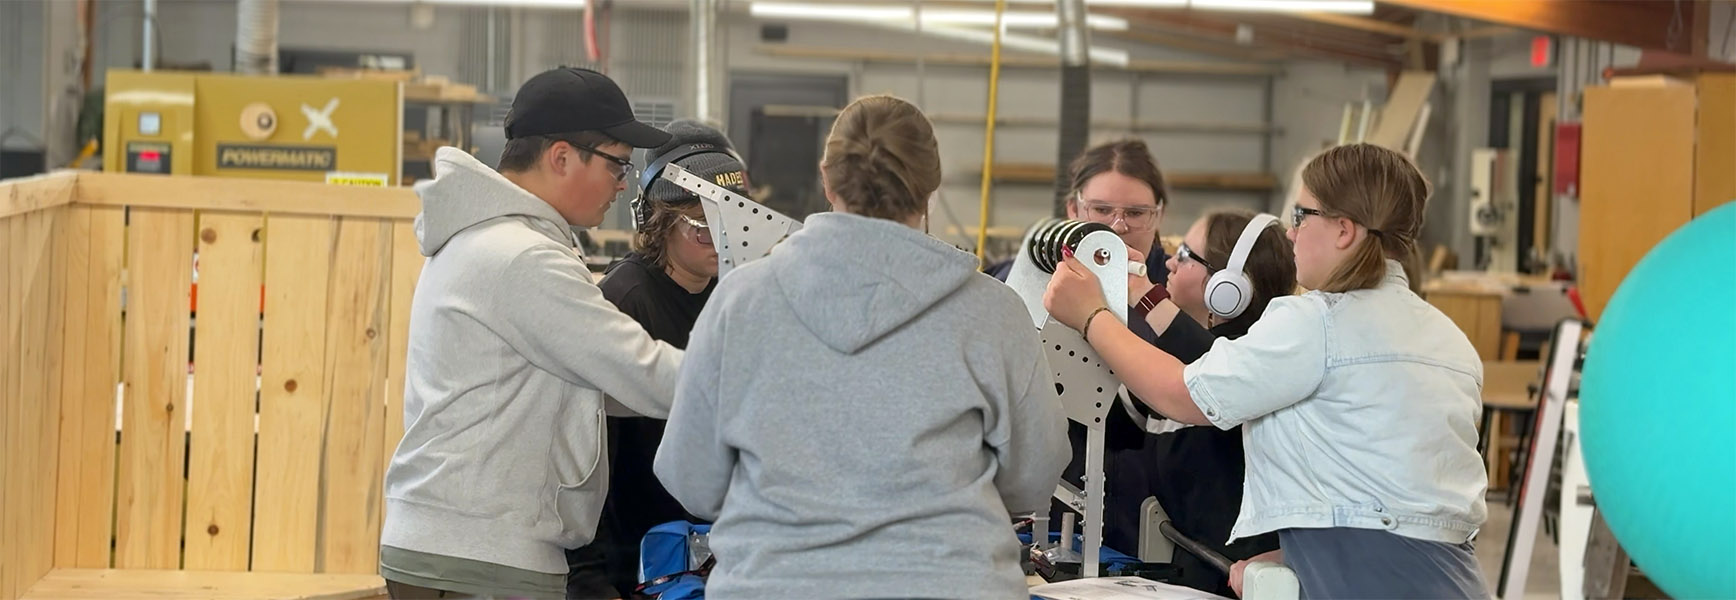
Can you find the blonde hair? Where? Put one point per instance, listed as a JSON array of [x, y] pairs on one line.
[[882, 159], [1381, 190]]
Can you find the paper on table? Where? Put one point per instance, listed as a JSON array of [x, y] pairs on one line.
[[1118, 588]]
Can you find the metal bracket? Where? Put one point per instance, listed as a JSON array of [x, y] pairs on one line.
[[1030, 282], [1084, 383], [741, 230]]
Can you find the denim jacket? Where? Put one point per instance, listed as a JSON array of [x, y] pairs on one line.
[[1361, 410]]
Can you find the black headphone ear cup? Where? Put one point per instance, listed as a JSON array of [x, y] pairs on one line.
[[639, 211]]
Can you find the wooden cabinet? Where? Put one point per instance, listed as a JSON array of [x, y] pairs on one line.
[[1476, 312], [1656, 152]]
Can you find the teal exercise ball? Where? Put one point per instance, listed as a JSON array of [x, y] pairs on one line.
[[1658, 410]]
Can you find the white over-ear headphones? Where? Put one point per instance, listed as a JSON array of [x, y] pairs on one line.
[[1229, 292]]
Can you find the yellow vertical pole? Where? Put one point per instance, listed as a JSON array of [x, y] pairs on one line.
[[989, 133]]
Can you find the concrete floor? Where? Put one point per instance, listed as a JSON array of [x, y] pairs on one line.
[[1544, 580]]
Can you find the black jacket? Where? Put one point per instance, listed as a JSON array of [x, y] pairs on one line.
[[637, 501]]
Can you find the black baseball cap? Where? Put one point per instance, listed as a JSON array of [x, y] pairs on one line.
[[570, 100]]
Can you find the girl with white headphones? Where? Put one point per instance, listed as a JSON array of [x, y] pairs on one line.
[[1196, 472], [1360, 399]]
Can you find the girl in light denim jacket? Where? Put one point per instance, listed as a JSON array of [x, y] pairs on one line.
[[1360, 399]]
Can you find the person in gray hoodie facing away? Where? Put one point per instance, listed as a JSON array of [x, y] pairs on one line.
[[861, 411], [512, 349]]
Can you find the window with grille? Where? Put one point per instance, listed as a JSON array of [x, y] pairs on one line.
[[656, 112]]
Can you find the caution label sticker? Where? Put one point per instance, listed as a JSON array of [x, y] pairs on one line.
[[357, 179]]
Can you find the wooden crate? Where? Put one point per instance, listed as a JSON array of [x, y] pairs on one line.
[[321, 400]]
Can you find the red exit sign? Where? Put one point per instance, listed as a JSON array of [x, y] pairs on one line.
[[1542, 50]]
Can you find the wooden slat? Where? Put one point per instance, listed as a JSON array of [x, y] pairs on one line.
[[85, 511], [356, 340], [40, 418], [1403, 106], [84, 584], [71, 263], [298, 252], [59, 279], [226, 349], [153, 430], [262, 195], [10, 440], [407, 263], [28, 194]]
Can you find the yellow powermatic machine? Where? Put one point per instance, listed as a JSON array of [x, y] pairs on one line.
[[346, 131]]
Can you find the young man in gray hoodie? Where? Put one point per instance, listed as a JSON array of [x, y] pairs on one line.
[[514, 353]]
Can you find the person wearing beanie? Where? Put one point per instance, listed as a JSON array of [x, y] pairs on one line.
[[514, 355], [662, 284]]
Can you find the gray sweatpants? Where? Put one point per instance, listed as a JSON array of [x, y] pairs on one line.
[[1345, 563]]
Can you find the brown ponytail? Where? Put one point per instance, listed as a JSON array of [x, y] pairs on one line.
[[882, 159], [1381, 190]]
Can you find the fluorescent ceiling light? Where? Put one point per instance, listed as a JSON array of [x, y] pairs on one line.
[[506, 3], [1337, 6], [788, 10], [1015, 20], [1132, 3], [903, 14], [518, 3], [1359, 7], [1098, 54]]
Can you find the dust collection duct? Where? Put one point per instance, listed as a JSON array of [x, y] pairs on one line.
[[256, 37], [703, 21], [1075, 93]]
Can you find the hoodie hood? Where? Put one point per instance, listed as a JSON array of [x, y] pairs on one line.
[[851, 279], [465, 192]]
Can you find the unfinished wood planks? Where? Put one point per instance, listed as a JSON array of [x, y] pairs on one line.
[[28, 419], [226, 349], [10, 407], [85, 515], [355, 353], [264, 195], [31, 194], [72, 262], [82, 584], [40, 417], [292, 394], [153, 431], [407, 263]]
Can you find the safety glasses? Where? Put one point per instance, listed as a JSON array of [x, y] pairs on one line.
[[1186, 254], [698, 230], [1137, 218], [623, 166], [1300, 212]]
